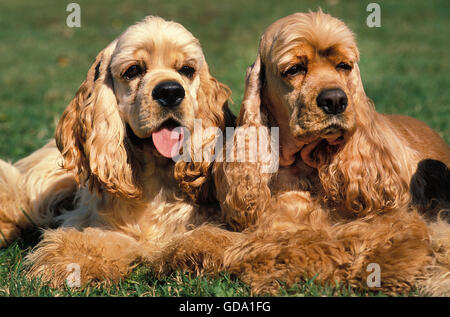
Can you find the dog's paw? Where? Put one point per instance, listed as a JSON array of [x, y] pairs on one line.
[[56, 261], [55, 274], [199, 251], [74, 258]]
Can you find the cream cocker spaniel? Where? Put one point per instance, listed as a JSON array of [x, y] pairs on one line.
[[119, 197]]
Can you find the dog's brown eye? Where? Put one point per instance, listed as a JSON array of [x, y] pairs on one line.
[[295, 70], [343, 66], [132, 72], [187, 71]]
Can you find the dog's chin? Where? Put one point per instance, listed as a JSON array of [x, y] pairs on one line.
[[146, 143], [320, 146]]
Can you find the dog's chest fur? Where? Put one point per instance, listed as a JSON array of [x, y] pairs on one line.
[[162, 210], [298, 177]]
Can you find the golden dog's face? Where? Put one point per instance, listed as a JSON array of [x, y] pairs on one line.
[[309, 80], [311, 87]]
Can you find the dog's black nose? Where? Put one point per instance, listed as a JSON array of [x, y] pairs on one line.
[[332, 101], [168, 94]]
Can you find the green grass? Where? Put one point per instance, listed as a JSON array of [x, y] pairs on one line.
[[404, 65]]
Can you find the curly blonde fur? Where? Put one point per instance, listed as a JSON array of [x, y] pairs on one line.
[[340, 199], [113, 198]]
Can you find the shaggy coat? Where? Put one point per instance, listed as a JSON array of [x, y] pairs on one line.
[[340, 202], [104, 186]]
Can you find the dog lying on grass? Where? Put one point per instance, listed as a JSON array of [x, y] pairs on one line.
[[109, 186], [340, 202]]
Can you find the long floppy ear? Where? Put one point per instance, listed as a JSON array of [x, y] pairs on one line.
[[244, 191], [212, 98], [370, 173], [250, 112], [90, 134]]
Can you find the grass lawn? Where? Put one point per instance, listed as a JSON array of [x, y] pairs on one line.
[[404, 65]]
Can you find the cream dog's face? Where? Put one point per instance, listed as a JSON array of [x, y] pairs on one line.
[[309, 82], [144, 85], [156, 79]]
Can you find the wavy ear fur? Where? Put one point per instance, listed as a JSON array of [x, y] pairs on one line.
[[244, 191], [212, 98], [371, 172], [90, 134]]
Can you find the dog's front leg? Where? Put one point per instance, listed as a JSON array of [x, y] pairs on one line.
[[67, 255], [200, 251]]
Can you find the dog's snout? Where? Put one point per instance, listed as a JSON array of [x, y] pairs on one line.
[[168, 94], [332, 101]]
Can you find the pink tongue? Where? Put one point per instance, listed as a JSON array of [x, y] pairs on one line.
[[168, 141]]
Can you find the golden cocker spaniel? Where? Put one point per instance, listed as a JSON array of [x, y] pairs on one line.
[[119, 196], [338, 208], [340, 200]]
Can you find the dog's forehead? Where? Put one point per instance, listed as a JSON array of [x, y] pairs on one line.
[[306, 52], [156, 37], [317, 29]]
